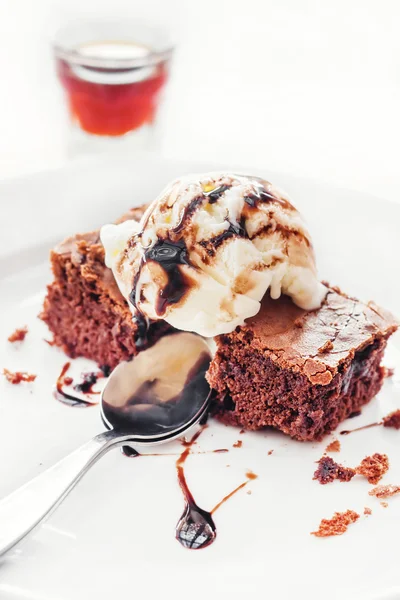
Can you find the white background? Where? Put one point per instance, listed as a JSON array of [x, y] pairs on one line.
[[300, 86]]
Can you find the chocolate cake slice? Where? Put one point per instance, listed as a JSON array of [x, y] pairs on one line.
[[84, 307], [301, 372]]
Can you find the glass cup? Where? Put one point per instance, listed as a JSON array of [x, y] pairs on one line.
[[114, 75]]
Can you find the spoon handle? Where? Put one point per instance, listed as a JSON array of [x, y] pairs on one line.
[[29, 505]]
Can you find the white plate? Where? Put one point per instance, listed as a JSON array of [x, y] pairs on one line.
[[114, 535]]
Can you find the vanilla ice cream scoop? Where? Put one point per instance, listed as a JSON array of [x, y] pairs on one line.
[[207, 250]]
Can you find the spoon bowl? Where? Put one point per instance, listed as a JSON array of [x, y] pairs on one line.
[[162, 392]]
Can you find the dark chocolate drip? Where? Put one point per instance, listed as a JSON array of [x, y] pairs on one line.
[[216, 194], [169, 255], [196, 528], [234, 230], [347, 431], [141, 321], [354, 414], [69, 399], [106, 370], [132, 295], [261, 195], [187, 213], [142, 329], [89, 380]]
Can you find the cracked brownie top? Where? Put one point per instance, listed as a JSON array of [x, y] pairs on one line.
[[315, 343]]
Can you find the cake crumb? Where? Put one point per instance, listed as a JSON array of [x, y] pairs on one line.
[[326, 347], [334, 446], [248, 492], [18, 376], [242, 431], [373, 467], [328, 470], [18, 335], [228, 465], [49, 342], [388, 372], [367, 510], [384, 504], [337, 525], [385, 491], [392, 420], [238, 444], [299, 322], [68, 380], [270, 452]]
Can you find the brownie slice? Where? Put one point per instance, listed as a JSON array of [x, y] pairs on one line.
[[301, 372], [84, 307]]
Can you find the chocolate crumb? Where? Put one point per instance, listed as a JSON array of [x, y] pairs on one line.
[[242, 431], [238, 444], [388, 372], [270, 452], [385, 491], [367, 511], [326, 347], [334, 446], [384, 504], [392, 420], [337, 525], [50, 342], [373, 467], [18, 376], [18, 335], [328, 470], [68, 380]]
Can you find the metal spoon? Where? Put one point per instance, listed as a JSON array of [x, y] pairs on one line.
[[152, 399]]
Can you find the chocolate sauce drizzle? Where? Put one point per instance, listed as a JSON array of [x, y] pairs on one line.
[[85, 387], [188, 211], [142, 328], [196, 528], [234, 230], [347, 431], [260, 196], [169, 255], [216, 194], [392, 420]]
